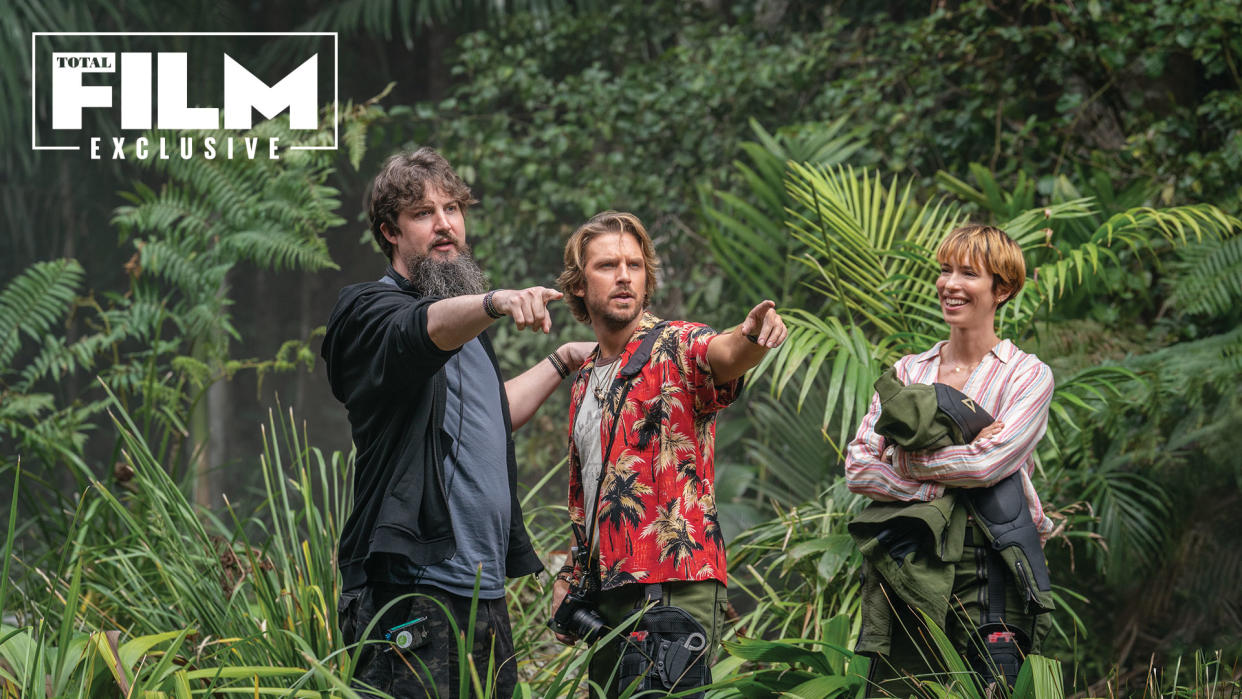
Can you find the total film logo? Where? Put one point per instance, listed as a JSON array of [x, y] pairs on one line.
[[143, 90]]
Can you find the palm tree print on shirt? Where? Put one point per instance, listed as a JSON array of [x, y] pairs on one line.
[[673, 534], [657, 518]]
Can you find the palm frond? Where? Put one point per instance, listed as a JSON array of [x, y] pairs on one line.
[[1136, 228], [790, 452], [1138, 231], [989, 195], [868, 244], [816, 343], [1031, 228], [750, 240]]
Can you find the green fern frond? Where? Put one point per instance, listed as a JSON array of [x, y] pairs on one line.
[[1208, 277], [198, 372], [182, 268], [1186, 369], [25, 406], [34, 302], [171, 214], [57, 358], [279, 249], [355, 139]]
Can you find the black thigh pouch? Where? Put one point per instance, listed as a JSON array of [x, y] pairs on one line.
[[666, 652]]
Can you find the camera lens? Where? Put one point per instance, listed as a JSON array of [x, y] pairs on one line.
[[587, 624]]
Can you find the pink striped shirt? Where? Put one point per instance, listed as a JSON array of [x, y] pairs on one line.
[[1013, 386]]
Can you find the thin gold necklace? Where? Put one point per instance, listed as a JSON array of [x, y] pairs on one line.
[[957, 366]]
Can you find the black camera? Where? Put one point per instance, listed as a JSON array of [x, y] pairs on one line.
[[578, 616]]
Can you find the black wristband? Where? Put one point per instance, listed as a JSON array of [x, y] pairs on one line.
[[488, 307], [559, 364]]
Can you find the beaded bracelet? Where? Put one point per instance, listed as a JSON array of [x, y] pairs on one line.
[[488, 307]]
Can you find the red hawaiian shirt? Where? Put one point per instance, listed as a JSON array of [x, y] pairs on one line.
[[657, 508]]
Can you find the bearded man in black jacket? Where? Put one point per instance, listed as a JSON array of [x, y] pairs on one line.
[[436, 521]]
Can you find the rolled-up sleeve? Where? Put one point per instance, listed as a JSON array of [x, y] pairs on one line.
[[697, 370]]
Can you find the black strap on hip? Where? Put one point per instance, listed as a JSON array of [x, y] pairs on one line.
[[996, 587], [653, 595]]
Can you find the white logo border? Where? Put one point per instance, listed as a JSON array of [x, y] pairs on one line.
[[336, 82]]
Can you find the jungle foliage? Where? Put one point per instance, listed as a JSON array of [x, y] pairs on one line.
[[808, 152]]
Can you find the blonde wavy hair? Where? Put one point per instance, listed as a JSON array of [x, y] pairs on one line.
[[574, 274]]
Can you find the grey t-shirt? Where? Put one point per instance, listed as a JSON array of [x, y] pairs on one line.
[[587, 437], [476, 478]]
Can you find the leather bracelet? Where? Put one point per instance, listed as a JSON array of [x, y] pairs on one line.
[[488, 307], [559, 364]]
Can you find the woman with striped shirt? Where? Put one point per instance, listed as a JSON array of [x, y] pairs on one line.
[[981, 268]]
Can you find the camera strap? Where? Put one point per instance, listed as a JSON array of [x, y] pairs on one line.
[[633, 365]]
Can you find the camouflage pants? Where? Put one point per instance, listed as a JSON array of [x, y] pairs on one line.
[[431, 668]]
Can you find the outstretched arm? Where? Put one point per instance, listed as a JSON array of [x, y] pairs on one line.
[[732, 354], [454, 321], [528, 390]]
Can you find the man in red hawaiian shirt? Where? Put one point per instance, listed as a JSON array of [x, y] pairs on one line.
[[652, 494]]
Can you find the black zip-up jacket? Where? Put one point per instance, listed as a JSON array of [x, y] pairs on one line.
[[384, 367]]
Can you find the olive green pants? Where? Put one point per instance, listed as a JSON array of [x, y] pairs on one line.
[[913, 656], [706, 601]]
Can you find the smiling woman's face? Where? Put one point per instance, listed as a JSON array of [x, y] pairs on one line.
[[964, 289]]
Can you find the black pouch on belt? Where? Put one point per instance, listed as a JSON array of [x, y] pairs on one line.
[[666, 652]]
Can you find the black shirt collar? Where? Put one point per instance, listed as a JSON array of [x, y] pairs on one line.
[[392, 277]]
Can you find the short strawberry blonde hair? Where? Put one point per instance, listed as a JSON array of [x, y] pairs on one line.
[[991, 248], [574, 273]]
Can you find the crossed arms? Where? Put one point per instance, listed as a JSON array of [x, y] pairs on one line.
[[886, 472]]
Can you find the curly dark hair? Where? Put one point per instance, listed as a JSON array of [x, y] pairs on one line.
[[402, 182]]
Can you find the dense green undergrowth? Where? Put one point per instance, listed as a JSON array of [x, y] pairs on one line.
[[808, 152]]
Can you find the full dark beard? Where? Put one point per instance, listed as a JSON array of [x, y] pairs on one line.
[[459, 276]]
